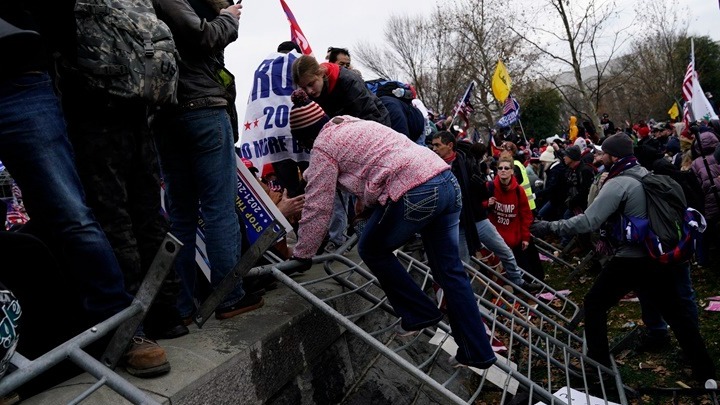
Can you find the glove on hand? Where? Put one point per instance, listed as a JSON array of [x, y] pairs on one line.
[[540, 228]]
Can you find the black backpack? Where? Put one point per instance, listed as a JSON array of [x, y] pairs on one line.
[[124, 49]]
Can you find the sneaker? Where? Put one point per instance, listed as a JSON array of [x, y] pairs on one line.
[[173, 332], [145, 358], [454, 363], [248, 303], [259, 284], [532, 288], [405, 333]]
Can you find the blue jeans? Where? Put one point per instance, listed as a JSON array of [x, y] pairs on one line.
[[35, 148], [548, 212], [339, 219], [490, 237], [433, 210], [197, 157]]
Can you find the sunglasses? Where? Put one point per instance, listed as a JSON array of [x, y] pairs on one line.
[[504, 168]]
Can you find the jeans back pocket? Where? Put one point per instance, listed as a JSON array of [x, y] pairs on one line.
[[420, 203]]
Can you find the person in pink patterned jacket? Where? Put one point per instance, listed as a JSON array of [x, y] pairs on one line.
[[411, 190]]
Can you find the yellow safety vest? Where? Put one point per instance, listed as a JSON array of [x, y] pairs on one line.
[[526, 184]]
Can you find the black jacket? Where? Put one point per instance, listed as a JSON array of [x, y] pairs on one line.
[[474, 192], [554, 189], [578, 181], [201, 34], [351, 97]]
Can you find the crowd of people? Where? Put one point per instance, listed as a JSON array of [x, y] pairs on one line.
[[91, 184]]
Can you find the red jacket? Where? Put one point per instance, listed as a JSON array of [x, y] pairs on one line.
[[511, 213]]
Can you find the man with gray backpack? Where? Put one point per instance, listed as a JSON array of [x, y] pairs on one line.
[[635, 266]]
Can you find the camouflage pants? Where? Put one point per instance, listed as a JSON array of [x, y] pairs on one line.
[[118, 165]]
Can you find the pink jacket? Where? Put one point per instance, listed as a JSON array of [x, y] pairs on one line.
[[369, 160]]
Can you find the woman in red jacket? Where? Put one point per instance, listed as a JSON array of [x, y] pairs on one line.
[[509, 211]]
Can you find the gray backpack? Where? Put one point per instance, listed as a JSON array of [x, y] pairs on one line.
[[124, 49]]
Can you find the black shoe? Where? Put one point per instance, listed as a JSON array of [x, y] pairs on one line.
[[532, 288], [248, 303], [174, 332], [652, 344], [259, 284]]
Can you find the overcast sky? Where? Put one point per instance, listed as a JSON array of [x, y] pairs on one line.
[[344, 23]]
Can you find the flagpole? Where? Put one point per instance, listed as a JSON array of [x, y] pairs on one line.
[[523, 131], [465, 96]]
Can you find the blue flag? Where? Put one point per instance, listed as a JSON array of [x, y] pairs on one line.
[[511, 113]]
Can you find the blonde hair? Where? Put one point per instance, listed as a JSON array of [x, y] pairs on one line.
[[506, 156], [304, 66], [686, 161], [511, 147]]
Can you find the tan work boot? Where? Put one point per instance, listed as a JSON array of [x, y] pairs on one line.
[[145, 358]]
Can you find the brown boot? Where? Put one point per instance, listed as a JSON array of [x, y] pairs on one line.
[[145, 358]]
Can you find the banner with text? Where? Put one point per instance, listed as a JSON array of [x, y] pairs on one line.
[[266, 134]]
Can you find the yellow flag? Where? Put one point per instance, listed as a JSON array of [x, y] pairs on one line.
[[674, 111], [501, 83]]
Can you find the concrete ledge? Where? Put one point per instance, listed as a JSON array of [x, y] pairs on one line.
[[253, 358]]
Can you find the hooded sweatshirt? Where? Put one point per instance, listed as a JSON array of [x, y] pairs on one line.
[[511, 213]]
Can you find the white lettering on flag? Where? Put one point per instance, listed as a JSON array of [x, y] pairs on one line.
[[265, 136]]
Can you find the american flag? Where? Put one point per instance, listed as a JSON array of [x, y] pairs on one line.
[[509, 105], [687, 90], [463, 106], [296, 34], [511, 112], [687, 81]]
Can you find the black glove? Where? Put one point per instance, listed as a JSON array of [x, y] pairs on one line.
[[540, 228], [303, 265]]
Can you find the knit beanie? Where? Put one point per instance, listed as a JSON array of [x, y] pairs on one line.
[[573, 152], [673, 145], [547, 156], [306, 117], [618, 145]]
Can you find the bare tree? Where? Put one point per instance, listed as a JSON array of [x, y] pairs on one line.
[[651, 69], [442, 54], [416, 50], [579, 38], [483, 38]]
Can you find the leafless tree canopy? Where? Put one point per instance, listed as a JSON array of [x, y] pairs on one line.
[[600, 58], [441, 54]]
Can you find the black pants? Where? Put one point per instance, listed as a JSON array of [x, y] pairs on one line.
[[118, 164], [529, 260], [667, 286]]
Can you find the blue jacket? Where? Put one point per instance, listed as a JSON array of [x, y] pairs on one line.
[[404, 117]]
